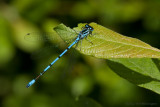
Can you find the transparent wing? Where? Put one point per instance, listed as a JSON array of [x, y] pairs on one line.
[[57, 41], [46, 52], [50, 36], [40, 36], [67, 34]]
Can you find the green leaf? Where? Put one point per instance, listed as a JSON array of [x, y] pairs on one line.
[[130, 58], [109, 44], [140, 71], [66, 33]]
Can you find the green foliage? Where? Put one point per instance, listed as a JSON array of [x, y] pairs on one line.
[[79, 80], [131, 56]]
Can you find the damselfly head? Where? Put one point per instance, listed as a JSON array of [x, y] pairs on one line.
[[89, 27]]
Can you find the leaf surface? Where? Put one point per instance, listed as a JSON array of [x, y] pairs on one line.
[[109, 44]]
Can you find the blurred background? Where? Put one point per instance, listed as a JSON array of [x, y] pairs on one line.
[[77, 80]]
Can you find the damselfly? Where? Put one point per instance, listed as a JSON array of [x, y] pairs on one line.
[[86, 31]]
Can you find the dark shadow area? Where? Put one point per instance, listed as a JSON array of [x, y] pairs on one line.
[[157, 63], [129, 74]]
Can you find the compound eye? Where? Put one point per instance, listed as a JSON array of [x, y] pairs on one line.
[[91, 28], [86, 26]]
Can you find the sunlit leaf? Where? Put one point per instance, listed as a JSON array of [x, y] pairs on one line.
[[109, 44]]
